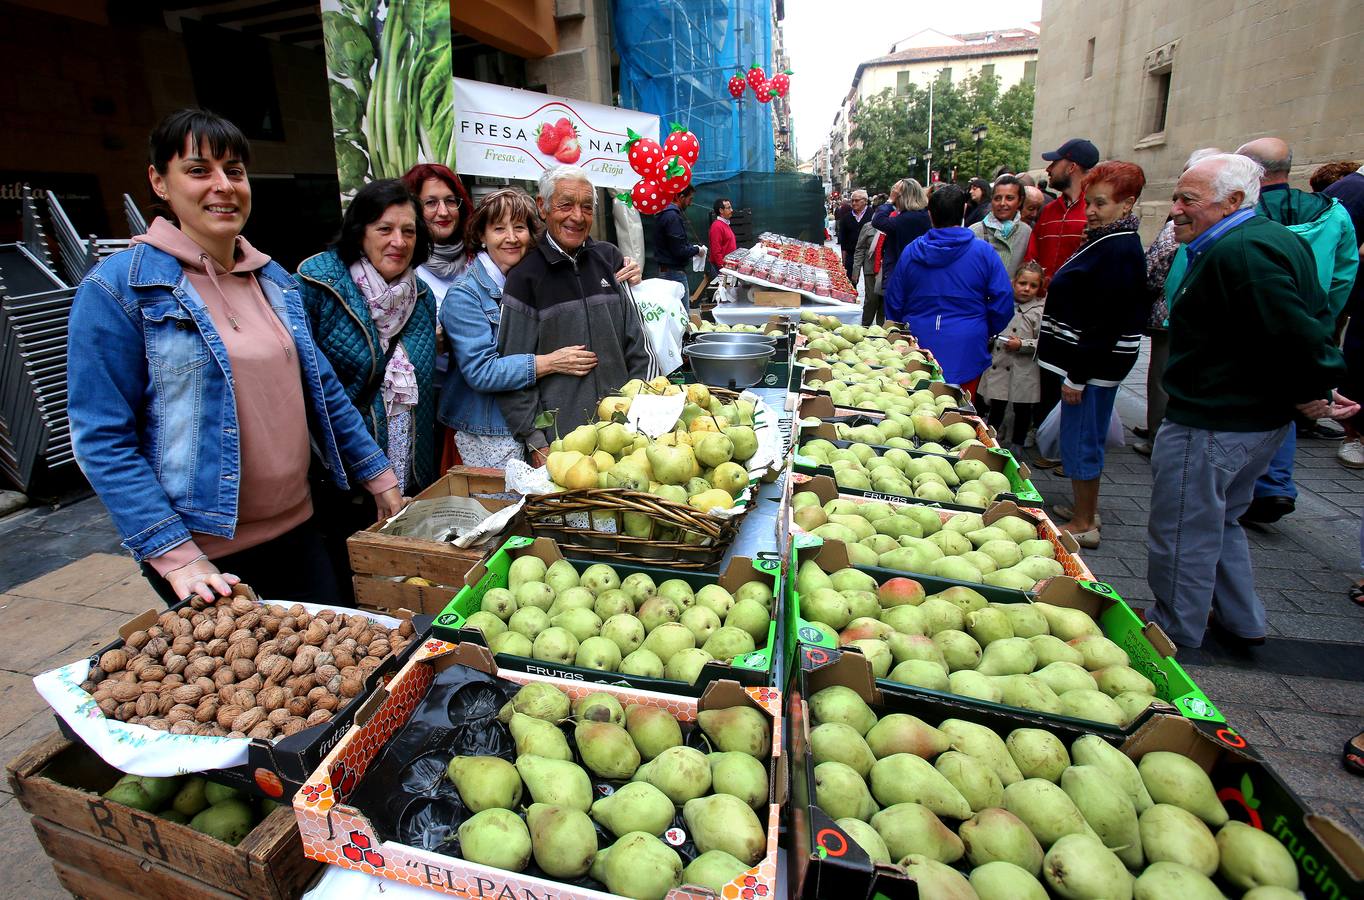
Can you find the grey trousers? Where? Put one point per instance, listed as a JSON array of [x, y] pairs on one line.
[[1198, 559], [1155, 394]]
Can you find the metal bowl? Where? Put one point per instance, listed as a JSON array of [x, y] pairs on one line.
[[737, 337], [733, 365]]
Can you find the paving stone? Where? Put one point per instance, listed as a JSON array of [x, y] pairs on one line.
[[34, 729], [1316, 775], [1247, 721], [25, 870], [1327, 603], [41, 634], [27, 553], [1308, 627], [83, 517], [131, 595], [1328, 695], [80, 579], [1228, 685], [19, 702], [1313, 732]]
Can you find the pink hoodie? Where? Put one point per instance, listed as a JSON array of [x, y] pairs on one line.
[[271, 412]]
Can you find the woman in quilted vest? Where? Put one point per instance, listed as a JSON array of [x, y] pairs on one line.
[[375, 321]]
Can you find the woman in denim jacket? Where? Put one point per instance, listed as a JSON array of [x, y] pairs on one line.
[[196, 390], [501, 230]]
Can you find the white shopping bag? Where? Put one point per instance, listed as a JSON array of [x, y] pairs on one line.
[[663, 308], [1049, 433]]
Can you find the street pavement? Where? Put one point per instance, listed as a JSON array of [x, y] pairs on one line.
[[66, 586]]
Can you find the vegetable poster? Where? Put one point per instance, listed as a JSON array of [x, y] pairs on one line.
[[388, 73], [509, 133]]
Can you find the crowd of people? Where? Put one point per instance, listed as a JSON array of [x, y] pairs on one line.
[[239, 422], [1038, 305]]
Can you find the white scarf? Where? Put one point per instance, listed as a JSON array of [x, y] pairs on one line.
[[390, 306]]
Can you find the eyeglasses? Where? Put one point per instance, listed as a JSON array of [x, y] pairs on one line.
[[435, 203]]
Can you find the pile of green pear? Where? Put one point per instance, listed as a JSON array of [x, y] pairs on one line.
[[1038, 656], [1007, 553], [221, 812], [545, 807], [970, 813], [723, 328], [699, 463], [934, 478], [847, 365], [596, 620]]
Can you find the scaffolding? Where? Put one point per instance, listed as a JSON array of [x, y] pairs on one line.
[[676, 59]]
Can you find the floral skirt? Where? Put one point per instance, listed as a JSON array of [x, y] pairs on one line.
[[489, 451]]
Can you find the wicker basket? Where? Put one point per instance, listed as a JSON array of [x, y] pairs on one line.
[[568, 517]]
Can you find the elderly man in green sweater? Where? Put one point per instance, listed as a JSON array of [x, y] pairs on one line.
[[1251, 283]]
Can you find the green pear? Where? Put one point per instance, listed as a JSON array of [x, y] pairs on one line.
[[560, 576], [998, 835], [724, 822], [1064, 676], [728, 642], [984, 744], [1107, 809], [525, 569], [667, 639], [681, 773], [637, 806], [1008, 656], [921, 673], [1067, 624], [563, 840], [906, 778], [1171, 834], [495, 837], [974, 780], [529, 621], [842, 793], [1119, 679], [713, 870], [533, 593], [1046, 809], [1251, 858], [1037, 753], [538, 737], [1050, 649], [686, 665], [1079, 865], [606, 749], [739, 775], [1175, 779], [678, 591], [653, 729], [969, 683], [555, 781], [641, 662], [556, 645], [500, 602], [1166, 879], [539, 701], [1092, 750], [1001, 880], [1028, 693], [512, 643], [750, 615], [625, 631], [738, 728], [912, 827], [837, 742]]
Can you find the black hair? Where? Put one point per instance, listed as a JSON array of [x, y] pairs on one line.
[[719, 204], [982, 184], [947, 206], [1010, 179], [369, 205], [687, 191], [169, 136]]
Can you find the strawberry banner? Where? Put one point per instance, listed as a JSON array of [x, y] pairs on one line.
[[509, 133]]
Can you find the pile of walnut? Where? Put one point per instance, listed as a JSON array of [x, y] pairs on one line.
[[241, 669]]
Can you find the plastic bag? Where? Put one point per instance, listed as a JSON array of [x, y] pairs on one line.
[[663, 308], [1049, 433]]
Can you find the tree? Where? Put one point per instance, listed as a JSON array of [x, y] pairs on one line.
[[888, 130], [785, 163]]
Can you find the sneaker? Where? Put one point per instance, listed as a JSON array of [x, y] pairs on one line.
[[1031, 440], [1351, 454], [1325, 431]]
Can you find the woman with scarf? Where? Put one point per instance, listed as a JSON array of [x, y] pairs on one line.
[[375, 321], [1003, 228], [446, 209], [1092, 323], [198, 392]]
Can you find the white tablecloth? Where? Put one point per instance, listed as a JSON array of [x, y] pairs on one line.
[[748, 314]]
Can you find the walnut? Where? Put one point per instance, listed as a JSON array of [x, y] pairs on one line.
[[276, 668], [182, 644], [227, 714], [270, 624], [180, 713], [264, 731], [107, 705], [289, 644], [277, 717], [327, 701], [88, 686], [176, 662], [154, 632], [125, 711], [205, 684], [343, 659], [406, 628], [370, 663], [124, 692], [165, 704], [207, 710], [245, 647], [297, 610], [156, 647], [137, 664], [146, 704], [243, 668], [217, 646], [224, 676], [166, 619], [270, 698], [333, 684], [315, 634], [303, 661], [268, 647], [224, 627], [152, 672], [248, 720], [173, 679], [241, 605], [244, 699], [188, 693], [181, 628], [293, 726], [151, 687], [136, 640], [158, 724], [331, 641], [235, 734], [325, 672], [318, 694], [319, 716], [379, 648], [288, 624], [249, 620], [113, 660], [299, 706], [204, 665], [252, 684]]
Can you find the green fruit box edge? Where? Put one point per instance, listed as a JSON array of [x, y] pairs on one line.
[[1119, 623], [449, 623]]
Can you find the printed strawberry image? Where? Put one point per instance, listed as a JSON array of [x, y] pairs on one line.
[[737, 85], [674, 174], [647, 196], [781, 83], [756, 76], [569, 151], [683, 143], [644, 154], [565, 127], [548, 138]]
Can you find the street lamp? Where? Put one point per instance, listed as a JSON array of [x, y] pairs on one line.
[[913, 162], [949, 147], [928, 167], [979, 133]]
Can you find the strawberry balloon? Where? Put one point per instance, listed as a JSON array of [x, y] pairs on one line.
[[737, 85], [646, 196], [756, 76], [764, 92], [643, 153], [674, 173], [683, 143], [781, 83]]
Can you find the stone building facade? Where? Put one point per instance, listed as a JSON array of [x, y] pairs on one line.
[[1152, 80]]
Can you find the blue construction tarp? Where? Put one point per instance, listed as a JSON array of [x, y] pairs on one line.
[[676, 59]]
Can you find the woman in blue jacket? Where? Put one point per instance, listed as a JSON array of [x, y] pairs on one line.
[[197, 389], [501, 231], [903, 218]]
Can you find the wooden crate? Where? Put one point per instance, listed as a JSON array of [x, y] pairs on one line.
[[378, 559], [101, 849]]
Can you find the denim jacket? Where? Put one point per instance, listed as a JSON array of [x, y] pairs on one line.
[[151, 403], [470, 315]]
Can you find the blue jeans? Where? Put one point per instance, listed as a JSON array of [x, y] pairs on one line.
[[1197, 555], [1084, 426], [1277, 481]]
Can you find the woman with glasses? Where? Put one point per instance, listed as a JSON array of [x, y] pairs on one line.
[[501, 231], [445, 208]]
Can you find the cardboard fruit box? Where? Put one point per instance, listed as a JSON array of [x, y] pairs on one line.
[[1148, 649], [1067, 552], [383, 562], [1330, 859], [273, 768], [341, 834], [101, 848], [752, 669], [823, 860]]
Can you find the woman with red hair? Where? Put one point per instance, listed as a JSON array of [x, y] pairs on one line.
[[446, 208], [1091, 331]]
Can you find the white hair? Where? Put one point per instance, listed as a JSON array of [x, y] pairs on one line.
[[1233, 172], [1199, 155], [549, 181]]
